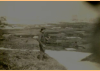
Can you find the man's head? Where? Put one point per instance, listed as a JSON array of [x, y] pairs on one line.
[[42, 29], [75, 41]]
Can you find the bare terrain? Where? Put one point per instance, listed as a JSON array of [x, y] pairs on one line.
[[20, 50]]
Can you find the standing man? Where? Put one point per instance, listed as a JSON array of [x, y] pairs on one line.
[[41, 40], [76, 46]]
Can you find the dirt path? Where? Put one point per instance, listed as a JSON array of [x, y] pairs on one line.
[[72, 60]]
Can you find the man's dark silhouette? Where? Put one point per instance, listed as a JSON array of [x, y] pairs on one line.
[[41, 41], [76, 46]]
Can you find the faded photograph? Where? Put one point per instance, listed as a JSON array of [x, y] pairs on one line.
[[49, 35]]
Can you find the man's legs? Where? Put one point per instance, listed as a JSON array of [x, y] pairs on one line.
[[41, 48], [42, 51]]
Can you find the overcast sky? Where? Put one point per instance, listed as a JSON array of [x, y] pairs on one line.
[[44, 12]]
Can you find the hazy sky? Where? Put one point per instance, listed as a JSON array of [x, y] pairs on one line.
[[44, 12]]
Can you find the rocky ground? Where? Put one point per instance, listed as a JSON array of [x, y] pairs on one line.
[[26, 60]]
